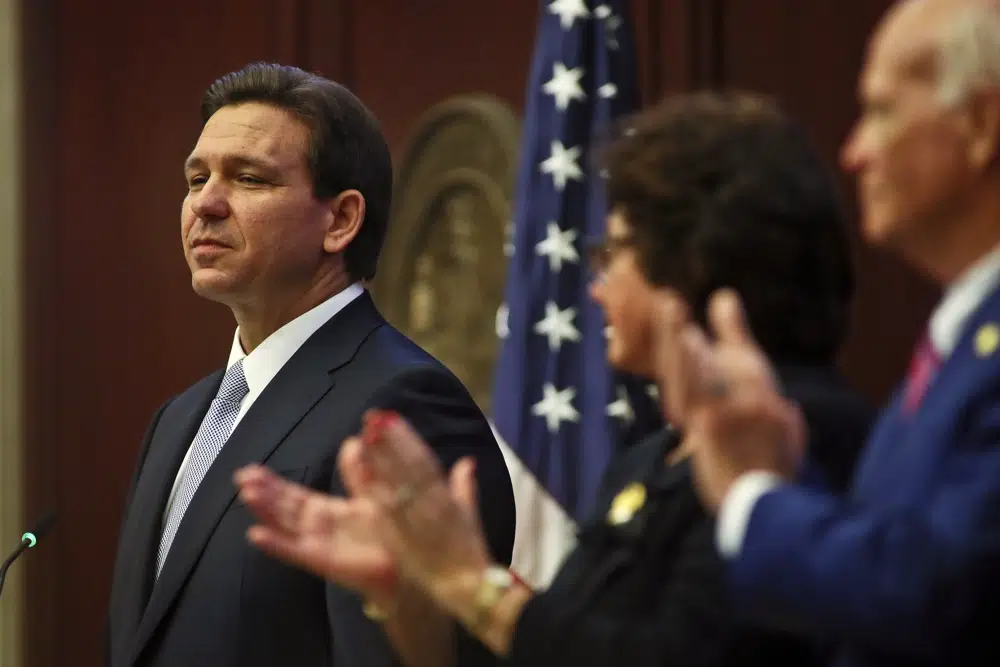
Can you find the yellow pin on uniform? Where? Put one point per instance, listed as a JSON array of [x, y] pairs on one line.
[[628, 501], [987, 339]]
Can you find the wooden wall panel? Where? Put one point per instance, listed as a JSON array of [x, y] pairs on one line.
[[434, 49]]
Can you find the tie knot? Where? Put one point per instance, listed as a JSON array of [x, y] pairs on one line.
[[234, 384]]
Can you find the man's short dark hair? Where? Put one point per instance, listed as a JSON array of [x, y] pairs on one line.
[[346, 148], [724, 190]]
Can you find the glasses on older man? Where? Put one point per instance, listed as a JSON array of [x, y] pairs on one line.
[[600, 252]]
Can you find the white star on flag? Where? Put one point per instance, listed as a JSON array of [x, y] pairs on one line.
[[608, 91], [568, 11], [611, 24], [556, 407], [565, 85], [558, 326], [653, 392], [558, 246], [503, 315], [562, 165], [621, 407]]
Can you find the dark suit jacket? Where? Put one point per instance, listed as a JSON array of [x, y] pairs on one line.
[[221, 603], [906, 569], [652, 591]]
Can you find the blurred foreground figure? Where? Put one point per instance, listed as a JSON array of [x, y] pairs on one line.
[[906, 569], [706, 191]]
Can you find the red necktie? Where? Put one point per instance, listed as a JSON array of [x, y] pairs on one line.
[[923, 365]]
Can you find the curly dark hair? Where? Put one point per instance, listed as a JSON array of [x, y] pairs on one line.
[[346, 147], [724, 190]]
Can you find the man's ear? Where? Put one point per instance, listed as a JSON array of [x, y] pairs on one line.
[[984, 129], [346, 215]]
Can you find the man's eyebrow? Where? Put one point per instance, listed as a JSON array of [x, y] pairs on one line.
[[237, 161], [193, 162]]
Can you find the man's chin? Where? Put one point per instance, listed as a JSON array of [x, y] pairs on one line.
[[619, 361], [212, 285], [879, 229]]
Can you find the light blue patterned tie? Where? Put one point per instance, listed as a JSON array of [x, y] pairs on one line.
[[207, 444]]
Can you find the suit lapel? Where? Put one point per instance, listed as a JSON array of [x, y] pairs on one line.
[[967, 368], [143, 522], [969, 364], [293, 392]]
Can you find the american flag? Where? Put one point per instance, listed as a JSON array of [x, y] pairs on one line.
[[556, 406]]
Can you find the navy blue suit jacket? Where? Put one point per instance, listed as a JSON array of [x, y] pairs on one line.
[[904, 570], [219, 602]]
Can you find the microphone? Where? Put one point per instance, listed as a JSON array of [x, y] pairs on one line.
[[28, 540]]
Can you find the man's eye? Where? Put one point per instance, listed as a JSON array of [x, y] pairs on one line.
[[251, 179]]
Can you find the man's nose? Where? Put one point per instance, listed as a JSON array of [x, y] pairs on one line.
[[211, 202], [853, 154]]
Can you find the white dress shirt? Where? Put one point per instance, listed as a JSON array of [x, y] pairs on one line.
[[264, 362], [958, 303]]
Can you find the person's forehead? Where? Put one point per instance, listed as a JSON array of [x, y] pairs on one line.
[[261, 128], [902, 52]]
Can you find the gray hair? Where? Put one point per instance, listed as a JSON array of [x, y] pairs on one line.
[[970, 52]]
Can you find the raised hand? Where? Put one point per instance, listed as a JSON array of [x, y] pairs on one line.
[[694, 370], [336, 538], [433, 528], [723, 392]]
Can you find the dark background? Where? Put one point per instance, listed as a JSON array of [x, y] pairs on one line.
[[112, 90]]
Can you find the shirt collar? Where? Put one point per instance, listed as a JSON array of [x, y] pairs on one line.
[[961, 299], [264, 362]]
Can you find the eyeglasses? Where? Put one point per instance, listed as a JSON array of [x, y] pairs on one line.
[[600, 252]]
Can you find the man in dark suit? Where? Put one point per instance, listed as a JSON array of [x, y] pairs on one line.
[[288, 198], [906, 569]]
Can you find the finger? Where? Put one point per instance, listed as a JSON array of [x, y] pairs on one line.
[[399, 456], [294, 551], [279, 503], [257, 493], [248, 473], [728, 319], [670, 318], [692, 371], [354, 470], [464, 488]]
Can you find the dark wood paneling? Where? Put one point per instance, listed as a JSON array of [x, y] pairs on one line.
[[679, 45], [328, 38], [430, 50], [808, 54]]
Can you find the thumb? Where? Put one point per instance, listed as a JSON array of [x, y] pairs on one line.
[[728, 319], [352, 467], [464, 489]]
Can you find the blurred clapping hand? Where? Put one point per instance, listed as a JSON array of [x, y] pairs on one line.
[[719, 387], [404, 518]]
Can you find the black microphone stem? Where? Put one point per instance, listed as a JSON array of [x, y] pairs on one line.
[[25, 543], [28, 540]]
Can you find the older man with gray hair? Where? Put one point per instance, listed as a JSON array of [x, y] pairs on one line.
[[906, 569]]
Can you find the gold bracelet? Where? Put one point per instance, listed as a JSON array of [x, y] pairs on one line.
[[494, 583]]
